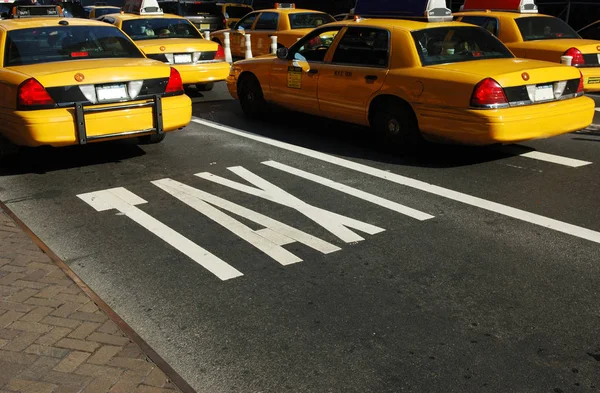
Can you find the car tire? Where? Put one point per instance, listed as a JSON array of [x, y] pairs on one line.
[[396, 123], [205, 86], [251, 97], [152, 139]]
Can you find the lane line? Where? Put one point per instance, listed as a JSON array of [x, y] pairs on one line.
[[552, 158], [508, 211]]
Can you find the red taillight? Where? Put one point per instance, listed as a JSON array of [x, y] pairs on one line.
[[175, 84], [580, 87], [488, 93], [32, 93], [577, 56], [220, 55]]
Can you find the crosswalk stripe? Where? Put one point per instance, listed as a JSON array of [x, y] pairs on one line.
[[570, 162], [481, 203]]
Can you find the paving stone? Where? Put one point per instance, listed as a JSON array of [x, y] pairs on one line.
[[25, 386], [99, 371], [53, 336], [36, 301], [72, 298], [9, 317], [156, 378], [29, 284], [84, 316], [89, 307], [128, 382], [37, 314], [46, 350], [104, 355], [24, 340], [23, 295], [100, 385], [30, 327], [15, 306], [78, 345], [71, 362], [8, 334], [64, 322], [140, 365], [39, 368], [84, 330], [66, 309], [68, 379], [109, 327], [9, 369], [151, 389]]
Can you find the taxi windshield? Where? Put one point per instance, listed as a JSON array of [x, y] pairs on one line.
[[61, 43], [544, 28], [455, 44], [154, 28], [309, 20]]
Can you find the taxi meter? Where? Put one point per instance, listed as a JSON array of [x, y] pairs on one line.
[[432, 10]]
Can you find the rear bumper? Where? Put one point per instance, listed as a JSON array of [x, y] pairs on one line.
[[60, 127], [232, 86], [511, 125], [591, 79], [203, 73]]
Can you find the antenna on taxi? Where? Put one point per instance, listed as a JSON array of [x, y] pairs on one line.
[[142, 7]]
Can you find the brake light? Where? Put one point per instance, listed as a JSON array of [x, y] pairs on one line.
[[577, 56], [32, 93], [488, 94], [175, 84], [580, 87], [220, 55]]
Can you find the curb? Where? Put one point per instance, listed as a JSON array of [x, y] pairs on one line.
[[175, 378]]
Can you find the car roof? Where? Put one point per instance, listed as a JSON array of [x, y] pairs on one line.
[[25, 23], [290, 10], [130, 16], [503, 14], [404, 24]]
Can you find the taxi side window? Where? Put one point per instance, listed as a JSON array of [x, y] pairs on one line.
[[490, 24], [364, 47], [247, 22], [267, 21], [314, 46]]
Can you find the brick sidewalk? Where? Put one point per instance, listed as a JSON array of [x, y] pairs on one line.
[[53, 337]]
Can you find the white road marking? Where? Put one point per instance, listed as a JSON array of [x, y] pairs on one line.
[[416, 214], [570, 162], [335, 223], [124, 201], [196, 199], [508, 211]]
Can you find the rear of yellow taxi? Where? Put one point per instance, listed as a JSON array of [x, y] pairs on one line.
[[561, 40], [199, 61], [474, 101], [39, 99]]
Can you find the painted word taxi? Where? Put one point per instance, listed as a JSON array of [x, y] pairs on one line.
[[284, 21], [531, 35], [438, 79], [68, 81], [173, 40]]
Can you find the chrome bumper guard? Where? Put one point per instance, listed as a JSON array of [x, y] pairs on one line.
[[80, 110]]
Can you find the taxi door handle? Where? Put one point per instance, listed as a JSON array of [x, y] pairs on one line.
[[312, 71], [370, 78]]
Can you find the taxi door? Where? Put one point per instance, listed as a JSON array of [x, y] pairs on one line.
[[357, 70], [237, 37], [294, 79], [265, 27]]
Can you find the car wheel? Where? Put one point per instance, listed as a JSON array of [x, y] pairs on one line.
[[152, 139], [251, 97], [205, 86], [397, 124]]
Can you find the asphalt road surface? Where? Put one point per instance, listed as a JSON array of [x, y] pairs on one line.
[[298, 255]]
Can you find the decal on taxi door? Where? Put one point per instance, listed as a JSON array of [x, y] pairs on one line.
[[342, 73], [294, 77]]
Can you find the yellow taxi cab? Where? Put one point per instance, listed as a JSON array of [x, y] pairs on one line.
[[99, 9], [174, 40], [408, 79], [531, 35], [69, 81], [284, 21], [233, 12]]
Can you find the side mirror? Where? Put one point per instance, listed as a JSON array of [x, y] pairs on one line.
[[282, 53]]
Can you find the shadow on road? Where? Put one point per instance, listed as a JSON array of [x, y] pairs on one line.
[[348, 140], [45, 159]]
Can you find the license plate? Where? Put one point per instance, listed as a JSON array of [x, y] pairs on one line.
[[593, 81], [205, 26], [182, 59], [544, 93], [112, 93]]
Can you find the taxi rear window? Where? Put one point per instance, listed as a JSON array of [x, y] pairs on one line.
[[153, 28], [105, 11], [61, 43], [191, 9], [544, 28], [237, 11], [309, 20], [456, 44]]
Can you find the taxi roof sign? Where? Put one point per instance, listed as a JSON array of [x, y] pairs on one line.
[[431, 10], [36, 11], [285, 5], [521, 6], [142, 7]]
